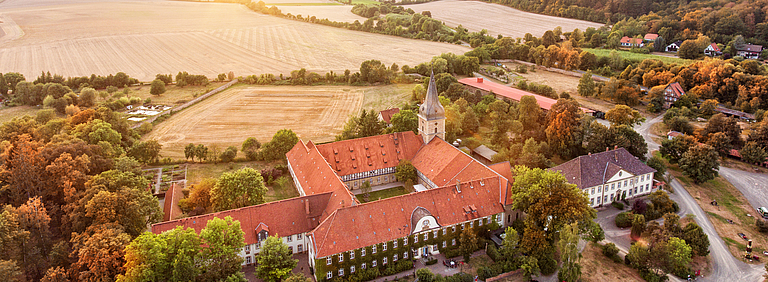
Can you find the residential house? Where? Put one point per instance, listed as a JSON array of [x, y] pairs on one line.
[[674, 46], [712, 50], [650, 37], [749, 51], [609, 176], [631, 42], [386, 115], [672, 93]]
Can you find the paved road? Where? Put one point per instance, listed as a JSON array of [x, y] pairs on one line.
[[754, 186], [725, 266]]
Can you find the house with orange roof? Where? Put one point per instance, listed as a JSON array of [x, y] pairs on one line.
[[386, 115], [672, 93]]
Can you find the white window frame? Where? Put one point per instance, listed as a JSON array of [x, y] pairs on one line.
[[298, 236], [444, 244], [351, 269], [384, 247], [453, 242], [328, 261], [373, 263], [352, 254], [394, 244], [363, 266], [384, 260], [394, 257], [341, 272], [373, 249], [341, 257], [416, 238], [405, 241], [289, 238], [426, 236], [362, 252], [405, 254], [329, 275]]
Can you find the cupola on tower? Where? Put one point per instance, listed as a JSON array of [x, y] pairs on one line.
[[431, 114]]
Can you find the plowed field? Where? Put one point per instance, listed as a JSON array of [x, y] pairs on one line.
[[143, 39], [497, 19]]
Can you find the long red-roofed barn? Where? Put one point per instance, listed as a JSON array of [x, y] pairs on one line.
[[501, 91]]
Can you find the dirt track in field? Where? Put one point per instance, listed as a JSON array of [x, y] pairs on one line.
[[497, 19], [316, 113], [146, 38]]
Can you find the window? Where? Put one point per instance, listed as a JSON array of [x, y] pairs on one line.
[[619, 173], [453, 242], [462, 226], [248, 260], [373, 249], [301, 248], [635, 190], [362, 266], [426, 236], [289, 238], [444, 231], [329, 275], [405, 255], [341, 257], [434, 234], [384, 248], [373, 263], [593, 191], [480, 222], [415, 239], [444, 244], [352, 254], [625, 183], [384, 260], [613, 186], [646, 187], [598, 201], [341, 272], [471, 224], [453, 228], [362, 253], [598, 188], [394, 258], [328, 261], [247, 249], [394, 244], [611, 197], [405, 241], [605, 199], [591, 201], [298, 236], [352, 269]]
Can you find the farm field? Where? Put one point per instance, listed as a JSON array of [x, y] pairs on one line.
[[316, 113], [9, 113], [334, 12], [497, 19], [200, 38], [640, 57]]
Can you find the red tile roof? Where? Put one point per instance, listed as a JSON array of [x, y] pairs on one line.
[[443, 164], [505, 170], [370, 153], [714, 47], [676, 89], [388, 219], [651, 36], [630, 40], [316, 176], [387, 114], [511, 93], [171, 208], [286, 217]]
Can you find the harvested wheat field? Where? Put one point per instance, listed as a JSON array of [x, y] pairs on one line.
[[143, 39], [497, 19], [316, 113], [336, 13]]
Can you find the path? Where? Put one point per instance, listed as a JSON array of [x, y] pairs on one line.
[[725, 267], [187, 104], [754, 186]]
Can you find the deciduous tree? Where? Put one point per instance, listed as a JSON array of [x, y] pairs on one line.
[[467, 243], [242, 188], [251, 148], [624, 115], [221, 259], [282, 142], [752, 153], [695, 237], [274, 260], [405, 120], [674, 149], [157, 87], [587, 85], [563, 130], [700, 163], [570, 270], [405, 171], [99, 252]]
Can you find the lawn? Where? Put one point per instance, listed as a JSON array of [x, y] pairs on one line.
[[597, 267], [383, 194], [640, 57], [173, 95], [9, 113], [388, 96], [198, 172]]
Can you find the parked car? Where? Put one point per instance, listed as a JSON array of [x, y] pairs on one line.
[[762, 211]]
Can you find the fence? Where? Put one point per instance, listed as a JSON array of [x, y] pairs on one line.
[[187, 104]]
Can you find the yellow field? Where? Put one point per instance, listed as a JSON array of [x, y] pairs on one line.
[[146, 38], [497, 19]]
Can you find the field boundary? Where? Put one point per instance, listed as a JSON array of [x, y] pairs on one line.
[[187, 104]]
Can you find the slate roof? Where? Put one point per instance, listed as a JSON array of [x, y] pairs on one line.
[[485, 152], [431, 109], [286, 217], [592, 170], [751, 48], [387, 114], [366, 224], [370, 153], [316, 176]]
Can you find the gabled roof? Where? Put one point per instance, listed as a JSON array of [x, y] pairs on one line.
[[676, 89], [651, 36], [750, 48], [714, 47], [630, 40], [316, 176], [443, 164], [511, 93], [286, 217], [505, 170], [387, 114], [485, 152], [171, 208], [366, 224], [370, 153], [594, 169], [431, 108]]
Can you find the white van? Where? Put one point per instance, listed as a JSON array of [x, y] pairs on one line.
[[763, 212]]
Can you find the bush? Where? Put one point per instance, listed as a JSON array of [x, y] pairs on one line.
[[611, 251], [451, 253], [762, 225], [431, 261], [493, 253], [157, 87], [618, 205], [624, 219]]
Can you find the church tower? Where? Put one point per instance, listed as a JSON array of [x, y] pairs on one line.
[[431, 114]]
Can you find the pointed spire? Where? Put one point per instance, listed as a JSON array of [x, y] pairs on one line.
[[432, 109]]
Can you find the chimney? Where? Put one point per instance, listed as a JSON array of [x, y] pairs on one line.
[[479, 80], [306, 205], [607, 149], [458, 186], [615, 147], [590, 154]]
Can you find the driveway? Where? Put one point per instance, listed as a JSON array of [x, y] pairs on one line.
[[754, 186]]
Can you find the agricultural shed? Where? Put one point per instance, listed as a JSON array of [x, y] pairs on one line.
[[502, 91]]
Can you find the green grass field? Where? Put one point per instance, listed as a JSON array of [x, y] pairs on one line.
[[640, 57], [383, 194], [9, 113]]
